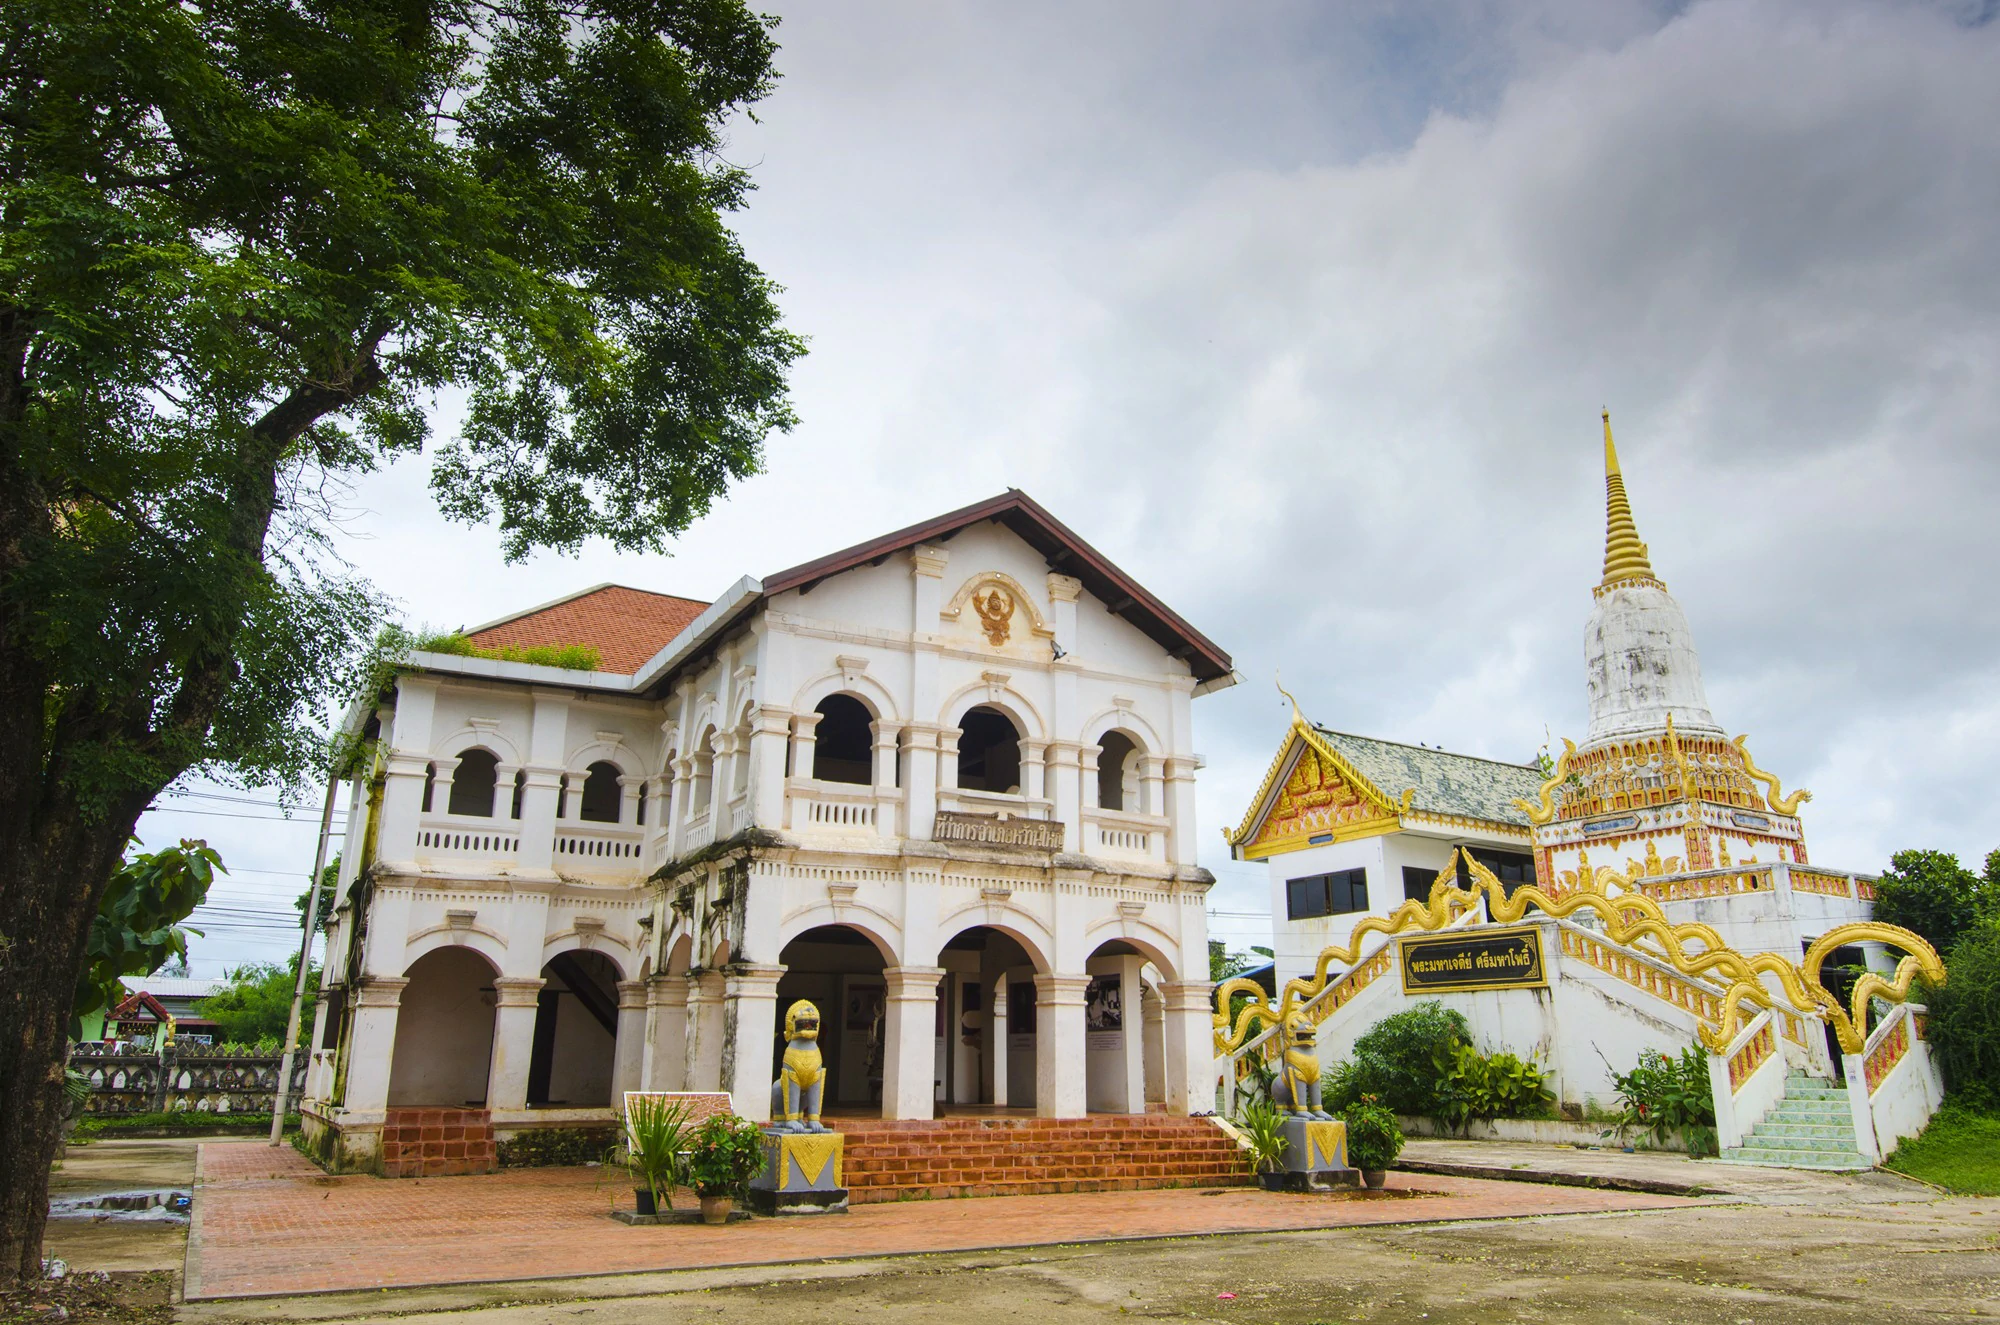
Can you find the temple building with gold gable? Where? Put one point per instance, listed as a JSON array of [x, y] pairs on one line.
[[1647, 890]]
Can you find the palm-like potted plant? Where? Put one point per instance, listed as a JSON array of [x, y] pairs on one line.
[[656, 1134], [1374, 1139], [1263, 1126], [725, 1153]]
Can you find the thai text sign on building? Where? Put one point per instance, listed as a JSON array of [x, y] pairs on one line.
[[993, 831], [1482, 959]]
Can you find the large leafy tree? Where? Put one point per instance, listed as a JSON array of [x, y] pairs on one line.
[[1931, 893], [242, 245], [137, 929]]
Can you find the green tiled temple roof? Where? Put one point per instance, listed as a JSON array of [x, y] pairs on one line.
[[1446, 783]]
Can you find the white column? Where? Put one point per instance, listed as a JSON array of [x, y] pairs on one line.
[[1155, 1013], [1152, 785], [805, 741], [373, 1048], [1190, 1046], [704, 1041], [887, 736], [750, 1029], [768, 726], [920, 779], [1065, 782], [1059, 1052], [996, 1042], [1034, 779], [1179, 796], [910, 1042], [947, 758], [516, 999], [628, 798], [547, 746], [667, 1033], [628, 1055]]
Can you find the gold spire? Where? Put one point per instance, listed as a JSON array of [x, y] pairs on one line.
[[1624, 555]]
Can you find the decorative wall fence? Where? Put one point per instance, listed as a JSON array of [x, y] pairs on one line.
[[197, 1079]]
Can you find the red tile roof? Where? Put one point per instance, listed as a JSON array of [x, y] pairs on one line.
[[626, 626]]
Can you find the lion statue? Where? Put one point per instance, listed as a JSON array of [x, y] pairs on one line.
[[801, 1083], [1297, 1086]]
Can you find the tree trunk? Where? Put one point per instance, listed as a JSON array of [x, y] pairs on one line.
[[51, 891]]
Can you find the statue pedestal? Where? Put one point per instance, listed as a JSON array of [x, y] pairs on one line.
[[801, 1175], [1316, 1156]]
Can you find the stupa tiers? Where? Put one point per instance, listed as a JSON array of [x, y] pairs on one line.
[[1657, 788]]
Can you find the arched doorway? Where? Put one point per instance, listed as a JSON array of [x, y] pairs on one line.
[[444, 1032], [986, 1022], [576, 1033], [1123, 1050], [838, 968], [989, 751]]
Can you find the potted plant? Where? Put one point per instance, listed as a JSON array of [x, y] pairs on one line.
[[725, 1153], [1374, 1139], [1263, 1127], [655, 1135]]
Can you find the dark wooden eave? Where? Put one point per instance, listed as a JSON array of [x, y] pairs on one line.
[[1059, 545]]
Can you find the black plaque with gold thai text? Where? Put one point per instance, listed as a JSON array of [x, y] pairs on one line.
[[1479, 959]]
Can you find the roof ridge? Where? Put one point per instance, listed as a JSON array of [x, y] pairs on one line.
[[1406, 745]]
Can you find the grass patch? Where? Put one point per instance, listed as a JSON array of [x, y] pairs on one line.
[[1959, 1151], [575, 657], [181, 1122]]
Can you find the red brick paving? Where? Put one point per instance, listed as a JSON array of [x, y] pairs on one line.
[[267, 1221]]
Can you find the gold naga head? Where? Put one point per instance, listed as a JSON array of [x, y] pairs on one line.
[[802, 1021]]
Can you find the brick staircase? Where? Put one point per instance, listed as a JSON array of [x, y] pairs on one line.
[[890, 1161], [1812, 1127], [428, 1143]]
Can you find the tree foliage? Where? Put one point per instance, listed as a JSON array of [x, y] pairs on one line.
[[1963, 1016], [256, 1005], [137, 927], [1931, 893]]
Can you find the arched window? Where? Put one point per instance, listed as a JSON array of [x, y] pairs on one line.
[[843, 745], [704, 774], [430, 784], [472, 783], [601, 793], [989, 751], [1117, 773]]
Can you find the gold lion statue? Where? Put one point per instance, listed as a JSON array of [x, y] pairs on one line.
[[1297, 1086], [797, 1093]]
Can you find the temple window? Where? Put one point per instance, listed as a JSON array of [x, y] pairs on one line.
[[843, 745], [989, 752], [1117, 769], [472, 783], [601, 793], [1334, 894]]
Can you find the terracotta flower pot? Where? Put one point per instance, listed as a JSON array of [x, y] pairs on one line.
[[1374, 1177], [715, 1209]]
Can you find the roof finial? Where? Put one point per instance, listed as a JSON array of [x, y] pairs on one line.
[[1624, 555], [1278, 679]]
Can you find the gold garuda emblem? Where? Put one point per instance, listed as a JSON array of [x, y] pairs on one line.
[[996, 614]]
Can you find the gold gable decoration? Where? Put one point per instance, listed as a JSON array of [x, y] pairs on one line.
[[1310, 792]]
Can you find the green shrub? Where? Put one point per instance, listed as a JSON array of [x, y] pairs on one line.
[[1397, 1059], [724, 1153], [1263, 1127], [556, 1147], [1931, 893], [575, 657], [1502, 1085], [1374, 1138], [1664, 1095], [1963, 1017]]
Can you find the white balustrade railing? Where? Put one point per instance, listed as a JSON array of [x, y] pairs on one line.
[[961, 801], [468, 839], [598, 847], [1119, 833]]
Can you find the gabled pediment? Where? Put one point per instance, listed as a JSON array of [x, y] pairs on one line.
[[1311, 796]]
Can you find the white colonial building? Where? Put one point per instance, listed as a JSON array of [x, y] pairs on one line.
[[941, 784]]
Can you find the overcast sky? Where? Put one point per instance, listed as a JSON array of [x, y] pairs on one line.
[[1304, 315]]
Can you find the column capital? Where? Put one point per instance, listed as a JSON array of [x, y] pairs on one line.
[[706, 987], [806, 722], [668, 991], [631, 995], [928, 560], [742, 980], [1064, 588], [380, 991], [518, 991], [1060, 989], [913, 982], [1186, 995]]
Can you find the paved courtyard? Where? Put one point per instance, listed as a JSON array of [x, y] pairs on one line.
[[268, 1222]]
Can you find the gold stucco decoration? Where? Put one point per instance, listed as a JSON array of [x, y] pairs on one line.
[[996, 614], [1782, 804], [1631, 920], [1625, 560]]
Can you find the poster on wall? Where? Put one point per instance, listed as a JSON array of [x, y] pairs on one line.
[[1104, 1013]]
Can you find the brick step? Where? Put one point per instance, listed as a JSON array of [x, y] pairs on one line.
[[952, 1157]]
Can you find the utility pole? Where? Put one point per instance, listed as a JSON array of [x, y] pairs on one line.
[[305, 963]]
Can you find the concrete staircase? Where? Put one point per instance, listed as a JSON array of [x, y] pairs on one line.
[[1812, 1127], [891, 1161]]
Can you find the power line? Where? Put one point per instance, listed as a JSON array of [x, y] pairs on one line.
[[227, 814]]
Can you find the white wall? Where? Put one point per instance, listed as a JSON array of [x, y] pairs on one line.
[[444, 1032]]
